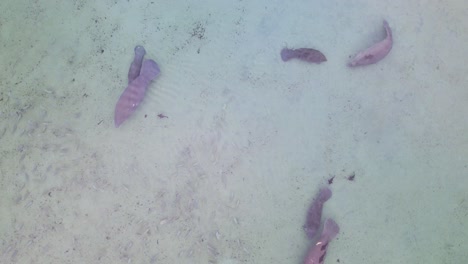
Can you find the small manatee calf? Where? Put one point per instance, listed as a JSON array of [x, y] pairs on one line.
[[135, 67]]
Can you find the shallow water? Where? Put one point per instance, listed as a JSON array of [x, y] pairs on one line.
[[221, 160]]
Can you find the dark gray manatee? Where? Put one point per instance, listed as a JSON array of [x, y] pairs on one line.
[[314, 214], [305, 54]]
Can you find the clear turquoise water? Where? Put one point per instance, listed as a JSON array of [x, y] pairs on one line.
[[248, 140]]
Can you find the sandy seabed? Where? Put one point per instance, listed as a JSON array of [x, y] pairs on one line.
[[245, 141]]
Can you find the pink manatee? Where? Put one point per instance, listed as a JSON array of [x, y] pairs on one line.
[[376, 52], [133, 95]]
